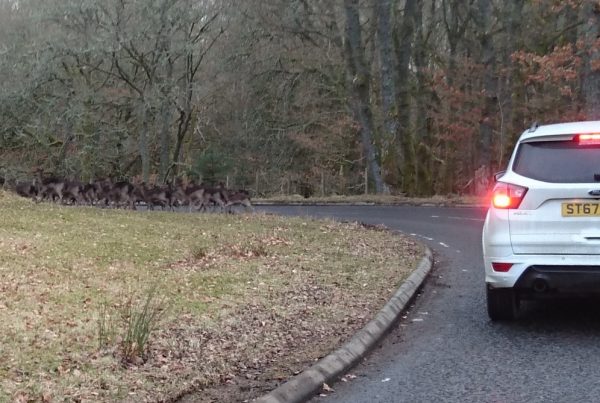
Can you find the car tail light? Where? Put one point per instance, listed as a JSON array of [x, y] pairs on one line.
[[507, 195], [585, 139], [501, 267]]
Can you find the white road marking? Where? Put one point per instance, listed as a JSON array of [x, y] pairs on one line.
[[459, 218], [444, 245], [466, 219], [421, 236]]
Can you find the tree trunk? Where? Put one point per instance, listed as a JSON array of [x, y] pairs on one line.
[[165, 113], [424, 180], [183, 127], [489, 87], [165, 117], [61, 160], [143, 141], [591, 72], [388, 89], [454, 27], [516, 81], [185, 118], [360, 87], [403, 42]]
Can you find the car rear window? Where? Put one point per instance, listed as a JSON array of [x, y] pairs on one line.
[[558, 161]]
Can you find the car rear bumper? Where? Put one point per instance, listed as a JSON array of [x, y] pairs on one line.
[[564, 272], [543, 279]]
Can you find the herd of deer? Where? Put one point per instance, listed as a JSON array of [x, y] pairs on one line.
[[107, 193]]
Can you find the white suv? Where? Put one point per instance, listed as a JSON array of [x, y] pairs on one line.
[[541, 236]]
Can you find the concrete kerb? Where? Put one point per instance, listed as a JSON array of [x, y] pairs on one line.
[[400, 203], [332, 367]]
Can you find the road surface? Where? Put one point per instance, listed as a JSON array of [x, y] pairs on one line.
[[446, 349]]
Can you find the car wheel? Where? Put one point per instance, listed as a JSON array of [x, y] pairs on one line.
[[502, 303]]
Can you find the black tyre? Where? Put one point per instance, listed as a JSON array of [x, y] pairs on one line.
[[502, 303]]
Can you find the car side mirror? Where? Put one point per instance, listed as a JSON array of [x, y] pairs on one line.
[[498, 175]]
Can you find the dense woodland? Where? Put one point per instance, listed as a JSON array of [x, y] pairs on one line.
[[289, 96]]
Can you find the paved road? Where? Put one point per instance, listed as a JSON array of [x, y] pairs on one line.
[[447, 350]]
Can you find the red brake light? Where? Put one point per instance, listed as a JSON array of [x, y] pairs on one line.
[[507, 195], [591, 138]]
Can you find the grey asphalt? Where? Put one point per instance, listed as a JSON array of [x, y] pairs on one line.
[[446, 349]]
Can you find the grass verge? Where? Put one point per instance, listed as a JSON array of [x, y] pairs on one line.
[[112, 305]]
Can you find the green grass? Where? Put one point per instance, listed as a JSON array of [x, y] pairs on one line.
[[229, 285]]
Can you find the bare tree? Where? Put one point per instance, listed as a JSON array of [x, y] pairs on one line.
[[591, 72], [388, 84], [483, 20], [360, 81]]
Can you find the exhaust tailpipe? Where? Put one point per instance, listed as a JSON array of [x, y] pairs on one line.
[[540, 285]]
